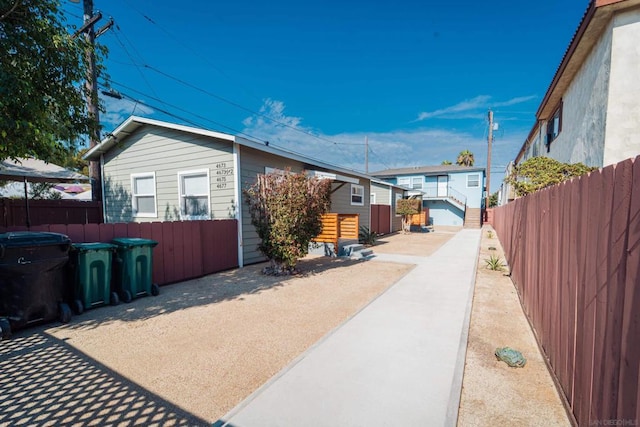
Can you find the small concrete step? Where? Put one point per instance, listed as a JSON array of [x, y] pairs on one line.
[[356, 251], [362, 254], [348, 250]]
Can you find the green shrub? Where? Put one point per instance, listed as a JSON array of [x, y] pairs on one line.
[[286, 209], [366, 236], [494, 263]]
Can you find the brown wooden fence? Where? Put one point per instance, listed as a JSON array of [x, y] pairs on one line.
[[14, 212], [185, 250], [381, 219], [338, 226], [574, 254]]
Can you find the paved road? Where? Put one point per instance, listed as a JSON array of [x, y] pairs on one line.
[[399, 361]]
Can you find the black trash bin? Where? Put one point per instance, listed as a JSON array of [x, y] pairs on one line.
[[33, 288]]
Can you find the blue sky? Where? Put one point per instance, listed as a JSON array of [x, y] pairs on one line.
[[415, 78]]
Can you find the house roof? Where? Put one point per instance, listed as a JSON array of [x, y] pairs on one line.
[[426, 170], [134, 122], [388, 184], [593, 23], [34, 170]]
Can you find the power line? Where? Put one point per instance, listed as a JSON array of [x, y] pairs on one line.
[[132, 59], [198, 124], [190, 48], [170, 114], [379, 158], [235, 104]]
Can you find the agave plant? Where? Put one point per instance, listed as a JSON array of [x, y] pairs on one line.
[[494, 263]]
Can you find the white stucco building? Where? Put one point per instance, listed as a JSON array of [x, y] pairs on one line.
[[591, 110]]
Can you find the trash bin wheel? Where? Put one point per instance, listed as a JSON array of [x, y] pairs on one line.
[[155, 289], [5, 328], [126, 296], [78, 308], [64, 312], [114, 300]]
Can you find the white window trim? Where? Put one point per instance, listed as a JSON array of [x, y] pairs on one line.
[[398, 196], [478, 180], [373, 198], [405, 181], [188, 173], [351, 194], [134, 204], [413, 181]]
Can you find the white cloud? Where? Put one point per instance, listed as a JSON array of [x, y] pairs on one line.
[[466, 105], [474, 108], [118, 110], [398, 148]]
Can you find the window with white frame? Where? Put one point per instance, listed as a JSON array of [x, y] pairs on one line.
[[473, 180], [405, 182], [194, 194], [373, 198], [416, 183], [143, 195], [357, 195], [398, 196]]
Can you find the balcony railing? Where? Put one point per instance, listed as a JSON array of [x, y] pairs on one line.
[[451, 193]]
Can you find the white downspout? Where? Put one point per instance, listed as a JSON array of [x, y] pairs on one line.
[[103, 201], [391, 209], [238, 196]]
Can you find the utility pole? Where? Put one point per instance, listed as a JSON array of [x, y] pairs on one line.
[[91, 91], [490, 140], [366, 154]]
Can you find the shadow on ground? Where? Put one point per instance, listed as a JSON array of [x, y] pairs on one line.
[[211, 289], [44, 381]]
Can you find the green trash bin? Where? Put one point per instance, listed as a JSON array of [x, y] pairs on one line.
[[91, 269], [133, 267]]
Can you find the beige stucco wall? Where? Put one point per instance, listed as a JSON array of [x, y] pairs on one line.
[[584, 114], [623, 115]]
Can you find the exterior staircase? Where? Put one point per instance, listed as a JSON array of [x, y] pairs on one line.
[[472, 218]]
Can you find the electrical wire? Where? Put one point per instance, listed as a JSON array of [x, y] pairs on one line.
[[191, 49], [115, 33], [235, 104], [201, 125]]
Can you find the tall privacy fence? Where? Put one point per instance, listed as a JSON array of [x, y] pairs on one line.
[[185, 250], [574, 255], [16, 212]]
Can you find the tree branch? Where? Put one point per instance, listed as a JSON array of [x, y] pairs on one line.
[[13, 8]]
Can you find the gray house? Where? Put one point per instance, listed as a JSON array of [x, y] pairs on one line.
[[159, 171]]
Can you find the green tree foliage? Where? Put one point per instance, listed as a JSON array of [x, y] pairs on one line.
[[493, 200], [446, 162], [537, 173], [465, 158], [406, 208], [286, 210], [42, 103]]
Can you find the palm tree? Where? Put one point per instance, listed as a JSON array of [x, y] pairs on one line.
[[465, 158]]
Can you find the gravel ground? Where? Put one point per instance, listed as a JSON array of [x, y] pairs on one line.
[[191, 354], [494, 394], [206, 344]]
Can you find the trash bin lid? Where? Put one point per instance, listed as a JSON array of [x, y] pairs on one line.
[[83, 247], [133, 241], [16, 239]]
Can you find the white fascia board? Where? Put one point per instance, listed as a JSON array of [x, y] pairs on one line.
[[333, 177]]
